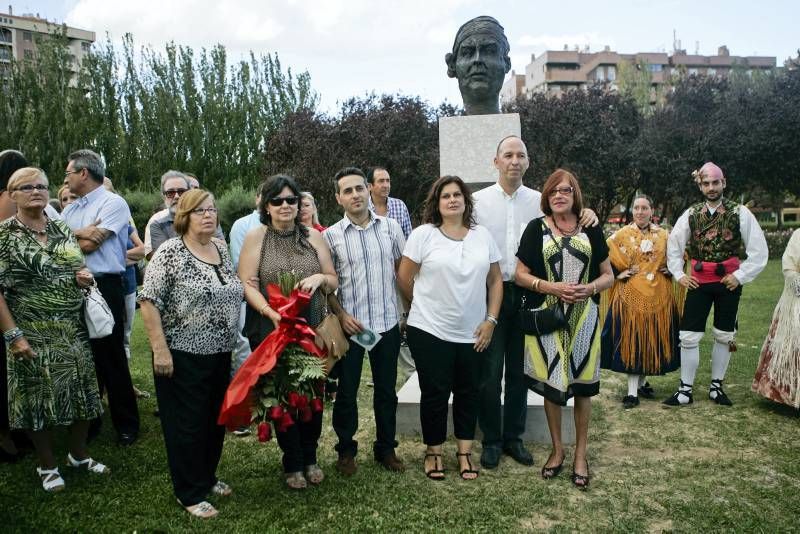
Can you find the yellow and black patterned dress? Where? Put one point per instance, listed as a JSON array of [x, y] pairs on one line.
[[59, 386], [565, 363]]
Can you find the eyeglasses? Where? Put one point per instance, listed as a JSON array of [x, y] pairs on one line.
[[171, 193], [278, 201], [66, 174], [29, 188], [205, 211], [563, 190]]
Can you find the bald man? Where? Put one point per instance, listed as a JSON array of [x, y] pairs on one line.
[[712, 232]]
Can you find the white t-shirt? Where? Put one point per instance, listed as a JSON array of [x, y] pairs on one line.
[[450, 288]]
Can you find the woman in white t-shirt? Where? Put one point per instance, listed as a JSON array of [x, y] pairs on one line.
[[449, 272]]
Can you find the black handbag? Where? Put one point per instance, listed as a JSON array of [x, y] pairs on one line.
[[542, 321]]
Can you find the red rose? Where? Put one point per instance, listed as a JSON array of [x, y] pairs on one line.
[[285, 422], [264, 432], [306, 414], [711, 234], [275, 413], [292, 399], [727, 235], [317, 405]]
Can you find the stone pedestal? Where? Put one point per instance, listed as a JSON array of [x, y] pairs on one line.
[[467, 145], [535, 425]]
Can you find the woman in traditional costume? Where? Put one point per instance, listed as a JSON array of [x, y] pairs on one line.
[[778, 374], [640, 335]]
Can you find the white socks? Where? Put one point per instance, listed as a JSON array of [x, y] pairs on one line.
[[633, 385], [690, 360], [720, 358]]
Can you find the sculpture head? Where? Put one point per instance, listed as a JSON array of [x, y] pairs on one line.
[[479, 61]]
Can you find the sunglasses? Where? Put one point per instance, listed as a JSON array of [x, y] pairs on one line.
[[170, 193], [278, 201]]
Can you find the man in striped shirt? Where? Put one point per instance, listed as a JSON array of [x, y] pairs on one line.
[[380, 185], [366, 249]]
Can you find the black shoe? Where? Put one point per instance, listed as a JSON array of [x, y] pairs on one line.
[[721, 398], [127, 440], [646, 391], [490, 457], [673, 400], [519, 453], [629, 401]]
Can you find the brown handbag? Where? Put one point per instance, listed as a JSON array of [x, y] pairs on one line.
[[331, 337]]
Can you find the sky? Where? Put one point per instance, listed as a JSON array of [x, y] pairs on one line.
[[356, 47]]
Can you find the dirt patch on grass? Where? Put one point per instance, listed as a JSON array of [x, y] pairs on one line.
[[663, 525], [538, 523]]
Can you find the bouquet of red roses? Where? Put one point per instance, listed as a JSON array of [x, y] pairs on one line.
[[282, 381]]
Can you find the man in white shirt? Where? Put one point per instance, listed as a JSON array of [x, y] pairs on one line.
[[506, 208], [712, 233]]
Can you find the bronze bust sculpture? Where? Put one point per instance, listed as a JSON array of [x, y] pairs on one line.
[[480, 62]]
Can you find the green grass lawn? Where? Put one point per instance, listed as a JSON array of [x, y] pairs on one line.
[[700, 468]]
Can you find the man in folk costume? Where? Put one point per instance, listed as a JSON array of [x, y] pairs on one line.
[[712, 233]]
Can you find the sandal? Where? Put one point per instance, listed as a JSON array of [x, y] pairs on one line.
[[90, 464], [553, 471], [296, 480], [203, 510], [433, 474], [314, 474], [469, 470], [580, 481], [52, 480], [221, 489]]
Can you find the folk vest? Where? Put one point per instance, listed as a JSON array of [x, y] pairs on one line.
[[717, 237]]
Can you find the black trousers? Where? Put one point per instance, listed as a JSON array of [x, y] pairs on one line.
[[443, 368], [502, 427], [299, 443], [383, 362], [698, 305], [111, 363], [189, 402]]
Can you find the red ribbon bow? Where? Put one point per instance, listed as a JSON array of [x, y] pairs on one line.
[[236, 407]]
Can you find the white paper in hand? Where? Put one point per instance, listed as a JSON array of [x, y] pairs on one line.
[[366, 338]]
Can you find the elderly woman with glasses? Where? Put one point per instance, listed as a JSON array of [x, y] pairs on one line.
[[564, 267], [283, 244], [190, 306], [51, 376]]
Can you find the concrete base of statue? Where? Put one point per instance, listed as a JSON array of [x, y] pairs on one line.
[[535, 425], [467, 145]]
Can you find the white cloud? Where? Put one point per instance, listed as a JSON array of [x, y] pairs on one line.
[[557, 42]]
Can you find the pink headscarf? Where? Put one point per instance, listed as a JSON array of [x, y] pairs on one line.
[[708, 170]]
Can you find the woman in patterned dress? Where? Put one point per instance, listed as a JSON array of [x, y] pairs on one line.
[[282, 244], [190, 305], [51, 376], [562, 263]]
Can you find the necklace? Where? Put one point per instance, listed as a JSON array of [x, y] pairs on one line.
[[363, 223], [569, 233], [33, 230], [643, 228]]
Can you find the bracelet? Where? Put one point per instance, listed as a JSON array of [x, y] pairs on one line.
[[594, 286], [491, 318], [536, 284], [12, 335], [262, 308]]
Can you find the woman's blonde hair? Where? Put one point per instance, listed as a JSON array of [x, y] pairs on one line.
[[26, 174], [309, 196], [189, 202]]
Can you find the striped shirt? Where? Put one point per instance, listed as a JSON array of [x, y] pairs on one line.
[[364, 259], [396, 209]]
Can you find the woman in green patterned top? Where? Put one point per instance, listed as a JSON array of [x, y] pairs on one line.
[[51, 376]]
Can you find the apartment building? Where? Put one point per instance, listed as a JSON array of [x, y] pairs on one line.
[[555, 71], [19, 34]]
